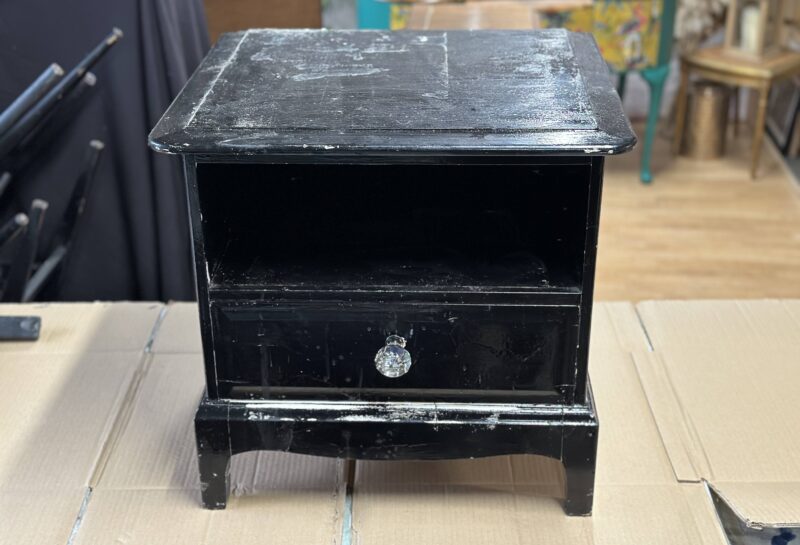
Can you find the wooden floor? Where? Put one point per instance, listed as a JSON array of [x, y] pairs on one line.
[[701, 230]]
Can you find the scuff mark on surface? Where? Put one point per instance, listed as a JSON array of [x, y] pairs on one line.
[[320, 71], [214, 81]]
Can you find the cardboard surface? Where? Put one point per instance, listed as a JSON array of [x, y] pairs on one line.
[[99, 445], [174, 516], [718, 383], [179, 331], [37, 516], [77, 328], [148, 490], [61, 397], [58, 415], [517, 499]]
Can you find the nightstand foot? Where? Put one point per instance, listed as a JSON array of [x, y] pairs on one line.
[[579, 456], [213, 456]]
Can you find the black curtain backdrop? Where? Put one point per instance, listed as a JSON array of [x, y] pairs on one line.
[[133, 240]]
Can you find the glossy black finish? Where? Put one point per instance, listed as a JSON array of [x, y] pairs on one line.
[[397, 431], [444, 187], [319, 349], [292, 262], [287, 91]]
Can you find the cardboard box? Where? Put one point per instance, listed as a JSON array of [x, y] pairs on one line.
[[74, 328], [99, 446], [720, 381], [62, 396]]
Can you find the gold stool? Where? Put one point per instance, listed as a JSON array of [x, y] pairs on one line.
[[714, 64]]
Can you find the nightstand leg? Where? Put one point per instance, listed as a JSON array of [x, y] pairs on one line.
[[579, 455], [214, 478], [213, 453]]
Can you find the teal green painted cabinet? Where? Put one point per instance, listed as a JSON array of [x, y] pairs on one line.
[[633, 36]]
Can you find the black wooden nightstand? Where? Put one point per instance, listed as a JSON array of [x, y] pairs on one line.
[[395, 238]]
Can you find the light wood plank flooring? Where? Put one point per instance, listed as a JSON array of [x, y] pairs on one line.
[[703, 229]]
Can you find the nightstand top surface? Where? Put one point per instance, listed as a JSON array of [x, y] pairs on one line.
[[263, 92]]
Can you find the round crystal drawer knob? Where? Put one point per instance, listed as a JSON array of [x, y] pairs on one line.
[[393, 360]]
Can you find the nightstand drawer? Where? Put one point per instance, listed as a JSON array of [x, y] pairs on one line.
[[329, 349]]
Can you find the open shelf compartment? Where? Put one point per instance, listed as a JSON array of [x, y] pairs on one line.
[[355, 226]]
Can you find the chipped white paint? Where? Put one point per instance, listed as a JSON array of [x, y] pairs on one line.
[[410, 406], [489, 414], [220, 70]]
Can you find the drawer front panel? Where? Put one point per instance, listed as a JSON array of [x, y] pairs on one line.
[[328, 350]]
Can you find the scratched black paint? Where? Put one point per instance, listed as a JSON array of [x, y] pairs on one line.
[[514, 92], [441, 186], [468, 352]]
